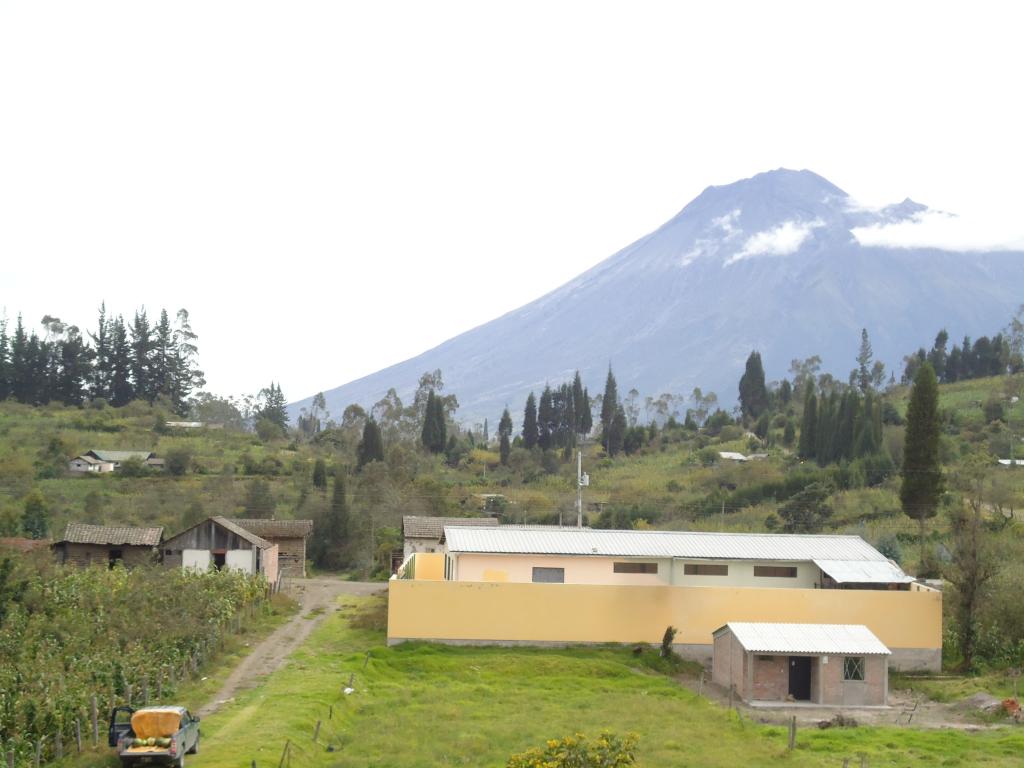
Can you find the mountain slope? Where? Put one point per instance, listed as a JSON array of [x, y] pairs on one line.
[[769, 263]]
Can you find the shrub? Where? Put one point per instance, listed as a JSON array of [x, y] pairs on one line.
[[608, 751], [178, 461]]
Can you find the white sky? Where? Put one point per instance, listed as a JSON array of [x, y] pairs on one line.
[[333, 187]]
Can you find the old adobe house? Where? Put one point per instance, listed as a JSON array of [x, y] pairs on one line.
[[107, 545], [290, 537]]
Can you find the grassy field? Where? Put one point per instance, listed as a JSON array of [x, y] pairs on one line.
[[423, 705]]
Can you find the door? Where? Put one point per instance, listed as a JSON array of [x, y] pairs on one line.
[[800, 677], [120, 724]]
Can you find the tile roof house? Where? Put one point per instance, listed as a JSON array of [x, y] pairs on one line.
[[290, 537], [84, 544], [426, 534]]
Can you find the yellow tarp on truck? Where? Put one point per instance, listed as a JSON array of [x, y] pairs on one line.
[[156, 722]]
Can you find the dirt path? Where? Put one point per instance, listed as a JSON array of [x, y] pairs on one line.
[[316, 597]]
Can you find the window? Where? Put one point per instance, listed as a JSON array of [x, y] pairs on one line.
[[549, 575], [168, 552], [705, 569], [853, 668], [776, 571], [635, 567]]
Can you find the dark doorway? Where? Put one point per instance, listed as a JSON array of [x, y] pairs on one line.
[[218, 560], [114, 556], [800, 677]]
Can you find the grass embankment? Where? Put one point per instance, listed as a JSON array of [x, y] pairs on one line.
[[426, 705], [193, 694]]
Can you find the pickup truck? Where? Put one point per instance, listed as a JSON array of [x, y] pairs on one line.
[[160, 735]]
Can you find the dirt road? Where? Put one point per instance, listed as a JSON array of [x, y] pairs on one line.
[[316, 598]]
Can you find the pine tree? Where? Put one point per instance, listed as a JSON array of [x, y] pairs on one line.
[[753, 392], [505, 436], [579, 407], [5, 362], [320, 475], [35, 520], [609, 406], [428, 432], [141, 360], [530, 435], [587, 419], [101, 376], [332, 531], [121, 390], [864, 357], [545, 419], [922, 482], [616, 434], [259, 500], [371, 447]]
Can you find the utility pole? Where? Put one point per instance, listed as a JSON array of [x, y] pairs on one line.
[[581, 480]]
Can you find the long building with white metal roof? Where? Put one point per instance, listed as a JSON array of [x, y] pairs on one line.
[[692, 558]]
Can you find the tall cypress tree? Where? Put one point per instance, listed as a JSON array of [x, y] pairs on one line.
[[5, 362], [587, 419], [121, 390], [809, 425], [545, 419], [922, 482], [530, 435], [579, 408], [371, 447], [100, 384], [428, 433], [330, 543], [505, 436], [609, 406], [141, 358], [753, 392]]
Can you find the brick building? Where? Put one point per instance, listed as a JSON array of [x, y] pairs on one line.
[[107, 545], [829, 664], [290, 537]]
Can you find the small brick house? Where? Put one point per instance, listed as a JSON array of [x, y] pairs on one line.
[[290, 537], [824, 664], [107, 545]]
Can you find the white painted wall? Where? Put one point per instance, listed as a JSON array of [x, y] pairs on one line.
[[196, 559], [241, 560]]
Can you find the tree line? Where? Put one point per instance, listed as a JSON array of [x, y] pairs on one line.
[[120, 362]]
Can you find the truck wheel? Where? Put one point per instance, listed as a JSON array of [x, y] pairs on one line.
[[195, 747], [181, 761]]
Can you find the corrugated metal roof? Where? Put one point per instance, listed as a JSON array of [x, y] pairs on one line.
[[287, 529], [425, 527], [117, 456], [863, 572], [665, 544], [806, 638], [116, 535]]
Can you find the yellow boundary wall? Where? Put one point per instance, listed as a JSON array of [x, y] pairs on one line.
[[577, 613]]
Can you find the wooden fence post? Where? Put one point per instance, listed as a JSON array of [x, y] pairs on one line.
[[58, 745], [10, 758], [700, 685], [316, 731], [78, 735], [39, 752], [284, 753], [94, 714], [128, 694], [792, 733]]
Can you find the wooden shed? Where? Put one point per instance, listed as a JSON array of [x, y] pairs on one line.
[[290, 537], [218, 542], [106, 545]]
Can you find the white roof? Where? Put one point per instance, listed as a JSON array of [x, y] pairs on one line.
[[806, 638], [660, 544], [863, 572], [732, 455]]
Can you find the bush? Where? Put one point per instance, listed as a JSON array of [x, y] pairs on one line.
[[609, 751], [179, 460]]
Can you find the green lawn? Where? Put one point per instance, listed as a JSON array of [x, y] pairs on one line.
[[424, 705]]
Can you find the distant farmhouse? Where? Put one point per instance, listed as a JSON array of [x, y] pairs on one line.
[[220, 543], [108, 545], [110, 461]]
